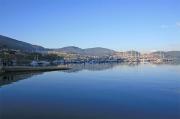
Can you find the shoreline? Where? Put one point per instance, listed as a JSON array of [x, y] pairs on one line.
[[33, 69]]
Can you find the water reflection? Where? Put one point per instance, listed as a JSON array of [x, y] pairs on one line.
[[97, 66], [125, 91], [106, 66], [9, 78]]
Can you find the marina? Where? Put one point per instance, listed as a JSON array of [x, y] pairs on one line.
[[89, 59]]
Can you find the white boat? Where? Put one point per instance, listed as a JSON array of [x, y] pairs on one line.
[[39, 63]]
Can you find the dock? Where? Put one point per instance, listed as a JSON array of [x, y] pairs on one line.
[[30, 68]]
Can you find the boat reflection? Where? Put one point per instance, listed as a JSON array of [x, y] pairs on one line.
[[97, 66]]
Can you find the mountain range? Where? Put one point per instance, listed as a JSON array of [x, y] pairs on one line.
[[97, 51], [10, 43], [170, 54]]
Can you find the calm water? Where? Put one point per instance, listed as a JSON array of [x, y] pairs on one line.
[[106, 91]]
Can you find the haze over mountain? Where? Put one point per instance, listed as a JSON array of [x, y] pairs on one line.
[[170, 54]]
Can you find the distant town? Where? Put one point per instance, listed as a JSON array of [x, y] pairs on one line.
[[18, 53]]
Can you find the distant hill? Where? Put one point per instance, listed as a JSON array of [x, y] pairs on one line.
[[71, 49], [169, 54], [97, 51], [173, 54], [10, 43]]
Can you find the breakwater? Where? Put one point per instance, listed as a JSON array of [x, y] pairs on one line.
[[30, 68]]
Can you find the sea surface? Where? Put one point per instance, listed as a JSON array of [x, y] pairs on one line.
[[93, 91]]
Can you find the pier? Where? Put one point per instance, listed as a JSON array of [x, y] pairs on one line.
[[30, 68]]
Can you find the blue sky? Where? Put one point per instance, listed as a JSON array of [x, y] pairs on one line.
[[117, 24]]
